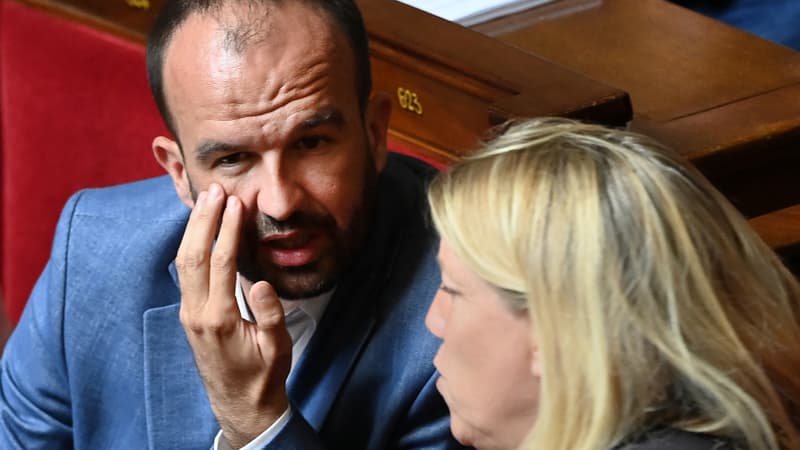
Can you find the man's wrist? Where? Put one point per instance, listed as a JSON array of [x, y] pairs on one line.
[[243, 422], [221, 441]]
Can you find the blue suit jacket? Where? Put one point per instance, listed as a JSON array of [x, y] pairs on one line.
[[100, 360]]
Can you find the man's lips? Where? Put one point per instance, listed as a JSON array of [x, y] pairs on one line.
[[292, 249], [288, 240]]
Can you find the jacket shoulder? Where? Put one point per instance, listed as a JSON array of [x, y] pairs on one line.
[[115, 243], [152, 199]]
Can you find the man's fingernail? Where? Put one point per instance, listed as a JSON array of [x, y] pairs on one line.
[[201, 200], [232, 203], [265, 296], [214, 192]]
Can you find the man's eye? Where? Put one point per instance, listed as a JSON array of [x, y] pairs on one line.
[[310, 142], [231, 159]]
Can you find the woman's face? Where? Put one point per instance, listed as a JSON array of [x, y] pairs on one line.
[[486, 360]]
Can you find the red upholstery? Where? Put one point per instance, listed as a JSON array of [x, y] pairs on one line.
[[76, 112]]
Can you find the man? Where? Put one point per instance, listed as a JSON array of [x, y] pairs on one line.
[[297, 214]]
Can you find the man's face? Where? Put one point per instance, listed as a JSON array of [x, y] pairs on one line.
[[277, 123]]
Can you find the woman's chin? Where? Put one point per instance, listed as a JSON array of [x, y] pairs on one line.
[[471, 437], [463, 436]]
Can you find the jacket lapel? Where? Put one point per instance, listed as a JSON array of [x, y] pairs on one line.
[[326, 363], [350, 317]]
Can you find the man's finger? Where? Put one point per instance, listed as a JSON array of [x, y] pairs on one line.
[[275, 344], [194, 252], [223, 262], [266, 306]]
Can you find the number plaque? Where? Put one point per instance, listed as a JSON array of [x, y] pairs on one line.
[[138, 4], [409, 100]]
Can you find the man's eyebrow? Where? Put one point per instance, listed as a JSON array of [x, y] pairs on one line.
[[206, 151], [327, 116]]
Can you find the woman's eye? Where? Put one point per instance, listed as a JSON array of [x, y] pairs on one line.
[[452, 293]]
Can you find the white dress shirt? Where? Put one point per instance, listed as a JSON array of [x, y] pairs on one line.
[[302, 317]]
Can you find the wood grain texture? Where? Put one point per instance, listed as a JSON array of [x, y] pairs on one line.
[[780, 229], [672, 61], [729, 101]]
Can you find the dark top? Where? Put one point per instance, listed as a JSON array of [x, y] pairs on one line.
[[674, 439]]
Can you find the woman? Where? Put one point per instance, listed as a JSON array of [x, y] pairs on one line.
[[657, 318]]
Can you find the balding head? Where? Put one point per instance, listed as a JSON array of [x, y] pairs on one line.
[[247, 24]]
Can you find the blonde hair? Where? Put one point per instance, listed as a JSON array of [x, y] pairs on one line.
[[653, 302]]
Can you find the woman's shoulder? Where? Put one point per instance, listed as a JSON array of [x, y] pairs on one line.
[[674, 439]]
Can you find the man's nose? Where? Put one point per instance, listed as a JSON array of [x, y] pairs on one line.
[[279, 192]]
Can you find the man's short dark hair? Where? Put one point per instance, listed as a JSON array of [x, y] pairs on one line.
[[344, 13]]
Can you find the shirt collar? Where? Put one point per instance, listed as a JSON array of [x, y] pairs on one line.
[[313, 307]]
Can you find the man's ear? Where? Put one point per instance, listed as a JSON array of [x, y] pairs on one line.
[[168, 154], [379, 109]]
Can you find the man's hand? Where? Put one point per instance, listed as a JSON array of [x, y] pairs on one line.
[[243, 365]]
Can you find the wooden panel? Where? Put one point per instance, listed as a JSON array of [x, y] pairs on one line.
[[464, 81], [749, 149], [780, 229], [420, 100], [726, 99], [672, 61]]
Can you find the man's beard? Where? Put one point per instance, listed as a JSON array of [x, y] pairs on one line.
[[320, 276], [296, 282], [310, 280]]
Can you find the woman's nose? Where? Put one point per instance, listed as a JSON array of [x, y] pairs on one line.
[[436, 319]]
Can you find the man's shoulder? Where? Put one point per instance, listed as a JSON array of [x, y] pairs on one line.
[[412, 168], [140, 221], [406, 256], [398, 259], [118, 243], [672, 438], [152, 199], [403, 193]]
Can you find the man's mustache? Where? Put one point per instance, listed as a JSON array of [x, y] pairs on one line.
[[266, 226]]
